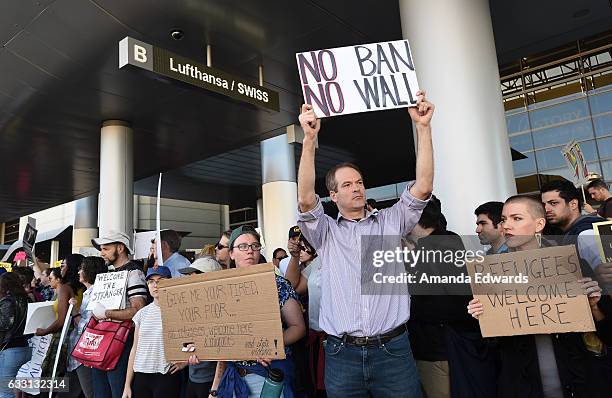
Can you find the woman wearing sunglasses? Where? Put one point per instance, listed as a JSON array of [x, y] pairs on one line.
[[245, 378]]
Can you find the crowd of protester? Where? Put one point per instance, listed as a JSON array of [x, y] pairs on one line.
[[338, 342]]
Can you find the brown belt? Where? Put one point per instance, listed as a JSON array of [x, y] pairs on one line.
[[373, 341]]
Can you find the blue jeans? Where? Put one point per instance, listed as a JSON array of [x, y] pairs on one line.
[[387, 370], [109, 384], [11, 360]]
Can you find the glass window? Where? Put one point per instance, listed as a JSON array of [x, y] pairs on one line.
[[601, 102], [560, 113], [518, 122], [605, 148], [546, 103], [592, 167], [524, 166], [607, 170], [561, 135], [553, 159], [603, 125], [521, 142]]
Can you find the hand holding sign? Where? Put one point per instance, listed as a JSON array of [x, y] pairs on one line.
[[309, 122], [422, 113], [591, 289]]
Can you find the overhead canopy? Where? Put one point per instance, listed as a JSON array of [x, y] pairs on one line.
[[61, 234], [60, 80]]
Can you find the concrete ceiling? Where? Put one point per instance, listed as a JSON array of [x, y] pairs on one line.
[[59, 80]]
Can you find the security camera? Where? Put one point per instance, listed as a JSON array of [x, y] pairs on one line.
[[177, 34]]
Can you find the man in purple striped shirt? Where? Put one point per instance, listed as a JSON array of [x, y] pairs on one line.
[[367, 351]]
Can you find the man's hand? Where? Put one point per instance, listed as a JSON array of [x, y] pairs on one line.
[[588, 208], [309, 122], [422, 113]]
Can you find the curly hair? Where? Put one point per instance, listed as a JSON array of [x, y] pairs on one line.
[[92, 266]]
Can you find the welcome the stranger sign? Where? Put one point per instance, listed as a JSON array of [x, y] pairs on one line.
[[133, 52], [361, 78]]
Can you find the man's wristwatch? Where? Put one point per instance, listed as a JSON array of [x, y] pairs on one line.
[[213, 393]]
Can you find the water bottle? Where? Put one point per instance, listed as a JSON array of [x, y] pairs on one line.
[[273, 385]]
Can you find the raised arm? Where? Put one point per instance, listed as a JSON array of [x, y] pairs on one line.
[[293, 274], [421, 116], [306, 173]]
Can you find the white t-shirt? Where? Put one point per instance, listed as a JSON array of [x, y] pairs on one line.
[[313, 273], [150, 354], [282, 266]]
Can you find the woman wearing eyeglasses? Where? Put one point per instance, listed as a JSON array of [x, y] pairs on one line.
[[245, 378]]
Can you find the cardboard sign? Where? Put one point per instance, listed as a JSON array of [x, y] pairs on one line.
[[362, 78], [576, 162], [109, 290], [229, 315], [40, 315], [531, 292], [29, 238], [33, 368]]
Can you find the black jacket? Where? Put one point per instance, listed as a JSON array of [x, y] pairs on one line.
[[579, 372], [445, 305], [13, 312]]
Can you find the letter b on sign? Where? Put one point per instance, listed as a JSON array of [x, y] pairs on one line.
[[140, 54], [135, 53]]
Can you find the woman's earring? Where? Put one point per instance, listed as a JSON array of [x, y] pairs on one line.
[[538, 237]]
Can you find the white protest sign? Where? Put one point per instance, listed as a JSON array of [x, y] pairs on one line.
[[40, 315], [108, 290], [32, 369], [142, 243], [361, 78]]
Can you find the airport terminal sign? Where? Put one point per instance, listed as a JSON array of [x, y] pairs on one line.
[[361, 78], [158, 60]]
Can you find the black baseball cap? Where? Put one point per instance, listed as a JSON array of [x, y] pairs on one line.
[[294, 231]]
